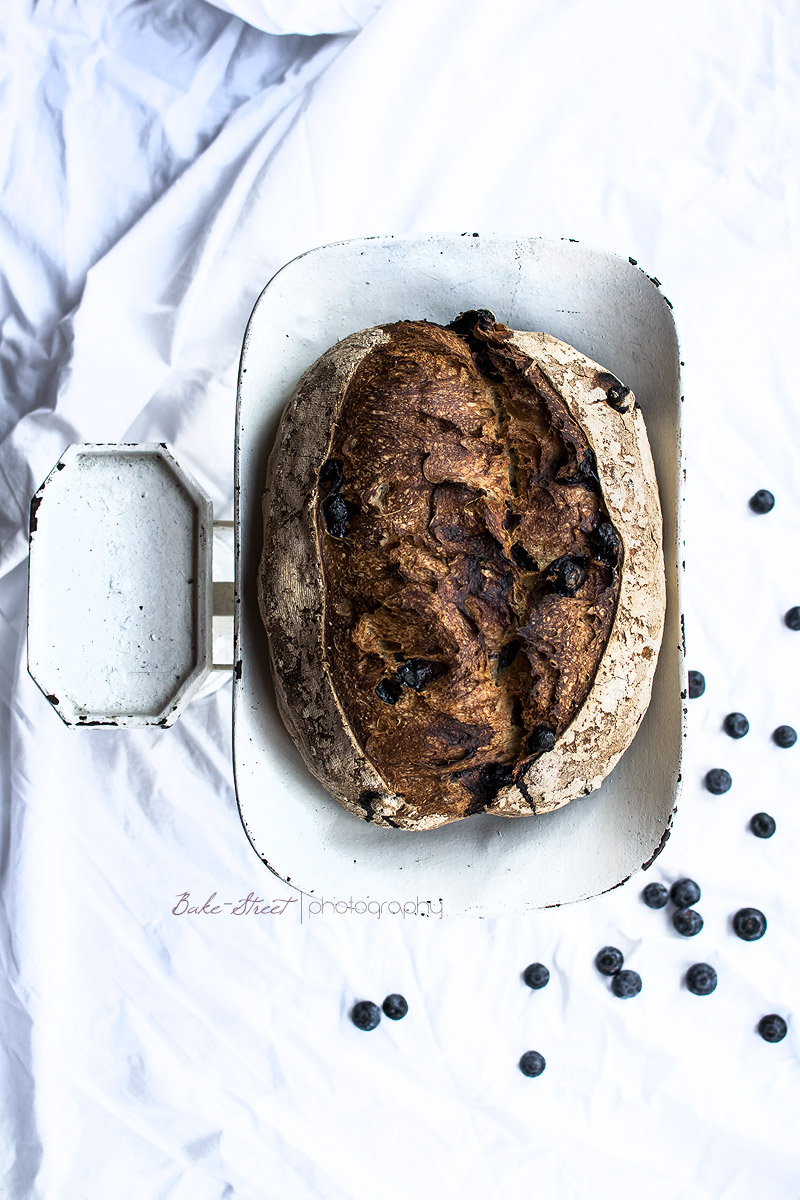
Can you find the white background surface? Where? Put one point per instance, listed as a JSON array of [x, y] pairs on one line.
[[160, 161]]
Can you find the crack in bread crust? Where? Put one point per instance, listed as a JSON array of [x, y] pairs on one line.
[[470, 566]]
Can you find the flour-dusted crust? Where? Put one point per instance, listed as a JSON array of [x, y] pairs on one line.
[[326, 660]]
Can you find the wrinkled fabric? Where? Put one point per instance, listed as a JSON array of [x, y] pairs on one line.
[[160, 161], [305, 16]]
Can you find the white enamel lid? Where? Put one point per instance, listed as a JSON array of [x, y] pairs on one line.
[[119, 586]]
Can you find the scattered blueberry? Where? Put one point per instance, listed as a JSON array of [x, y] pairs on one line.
[[609, 960], [684, 893], [536, 976], [736, 725], [697, 684], [395, 1006], [532, 1063], [762, 825], [701, 979], [626, 984], [749, 924], [365, 1015], [792, 617], [655, 895], [762, 502], [718, 781], [687, 922], [772, 1028], [784, 736]]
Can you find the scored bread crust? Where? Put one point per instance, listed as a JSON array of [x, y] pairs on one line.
[[292, 592]]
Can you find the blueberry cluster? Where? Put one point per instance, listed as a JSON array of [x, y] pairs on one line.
[[625, 984], [749, 924], [684, 893], [366, 1015]]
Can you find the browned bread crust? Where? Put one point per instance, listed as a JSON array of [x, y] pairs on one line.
[[462, 578]]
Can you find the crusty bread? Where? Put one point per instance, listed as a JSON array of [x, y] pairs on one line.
[[462, 580]]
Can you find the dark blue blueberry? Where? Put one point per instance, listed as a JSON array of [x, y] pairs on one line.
[[749, 924], [697, 684], [337, 512], [626, 984], [395, 1006], [687, 922], [609, 960], [566, 575], [718, 781], [736, 725], [772, 1028], [532, 1063], [365, 1015], [389, 691], [655, 895], [617, 394], [762, 502], [417, 673], [331, 474], [792, 617], [536, 976], [784, 736], [605, 543], [684, 893], [701, 979], [541, 740], [762, 825]]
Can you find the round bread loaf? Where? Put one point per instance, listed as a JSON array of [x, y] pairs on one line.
[[462, 580]]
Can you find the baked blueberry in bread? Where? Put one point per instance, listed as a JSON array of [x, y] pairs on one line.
[[462, 579]]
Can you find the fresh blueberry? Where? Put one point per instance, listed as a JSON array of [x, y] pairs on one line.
[[792, 617], [701, 979], [365, 1015], [395, 1006], [626, 984], [532, 1063], [684, 893], [736, 725], [762, 502], [687, 922], [772, 1028], [609, 960], [697, 684], [762, 825], [749, 924], [784, 736], [655, 895], [536, 976], [718, 781]]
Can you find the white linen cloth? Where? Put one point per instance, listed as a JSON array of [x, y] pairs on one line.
[[160, 162]]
